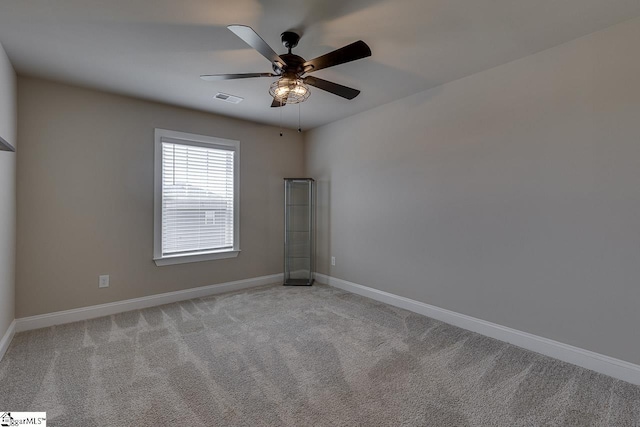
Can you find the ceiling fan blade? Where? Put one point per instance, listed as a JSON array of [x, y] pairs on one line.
[[215, 77], [334, 88], [352, 52], [277, 103], [252, 38]]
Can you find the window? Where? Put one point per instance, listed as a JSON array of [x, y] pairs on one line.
[[196, 198]]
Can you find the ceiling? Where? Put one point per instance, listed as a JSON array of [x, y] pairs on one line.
[[156, 49]]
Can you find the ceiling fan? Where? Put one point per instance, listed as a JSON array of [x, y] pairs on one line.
[[291, 87]]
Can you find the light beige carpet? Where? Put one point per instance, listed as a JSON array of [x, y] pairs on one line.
[[296, 357]]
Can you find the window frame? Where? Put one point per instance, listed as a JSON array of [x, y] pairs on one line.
[[164, 135]]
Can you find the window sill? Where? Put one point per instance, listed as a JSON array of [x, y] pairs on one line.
[[183, 259]]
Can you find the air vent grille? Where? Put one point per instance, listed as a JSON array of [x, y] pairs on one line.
[[228, 98]]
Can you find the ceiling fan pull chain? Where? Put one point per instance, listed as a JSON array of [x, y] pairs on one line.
[[299, 126], [280, 116]]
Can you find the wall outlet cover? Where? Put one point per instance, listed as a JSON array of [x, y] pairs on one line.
[[103, 281]]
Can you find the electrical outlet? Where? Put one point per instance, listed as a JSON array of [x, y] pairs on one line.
[[333, 260], [103, 281]]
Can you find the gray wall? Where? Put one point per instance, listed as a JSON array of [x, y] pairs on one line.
[[85, 197], [512, 195], [8, 111]]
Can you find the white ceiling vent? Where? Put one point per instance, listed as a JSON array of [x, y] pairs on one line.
[[228, 98]]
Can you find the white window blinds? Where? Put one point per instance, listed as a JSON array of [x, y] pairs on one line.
[[197, 198]]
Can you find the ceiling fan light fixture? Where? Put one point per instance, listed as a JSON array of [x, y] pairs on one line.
[[289, 90]]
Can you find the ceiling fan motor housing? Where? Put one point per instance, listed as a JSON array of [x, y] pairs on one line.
[[293, 65]]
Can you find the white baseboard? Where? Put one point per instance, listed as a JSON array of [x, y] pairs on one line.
[[91, 312], [6, 339], [606, 365]]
